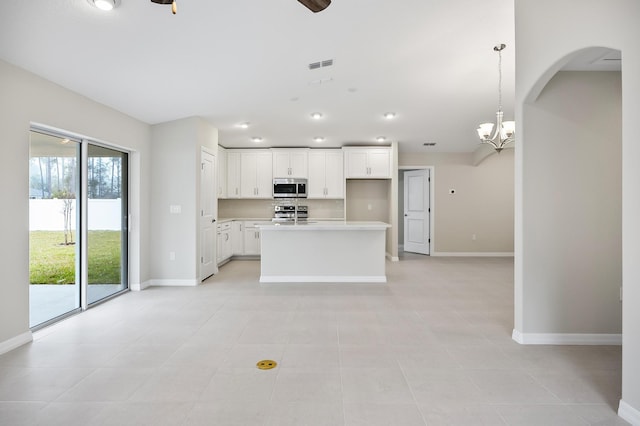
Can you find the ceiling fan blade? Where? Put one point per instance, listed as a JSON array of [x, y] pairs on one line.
[[162, 1], [316, 5]]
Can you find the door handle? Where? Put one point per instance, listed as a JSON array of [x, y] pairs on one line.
[[213, 221]]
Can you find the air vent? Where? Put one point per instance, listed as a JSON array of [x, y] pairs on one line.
[[321, 64], [429, 144]]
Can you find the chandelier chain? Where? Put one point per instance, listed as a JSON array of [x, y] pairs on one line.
[[500, 80]]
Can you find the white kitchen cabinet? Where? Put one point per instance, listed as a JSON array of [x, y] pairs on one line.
[[367, 163], [233, 174], [237, 238], [326, 174], [222, 172], [223, 242], [290, 163], [256, 178], [251, 239]]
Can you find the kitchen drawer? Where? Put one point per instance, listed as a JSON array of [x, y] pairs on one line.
[[224, 227]]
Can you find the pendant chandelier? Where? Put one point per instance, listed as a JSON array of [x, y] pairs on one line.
[[501, 133]]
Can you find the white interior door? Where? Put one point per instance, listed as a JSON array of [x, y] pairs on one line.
[[208, 213], [416, 211]]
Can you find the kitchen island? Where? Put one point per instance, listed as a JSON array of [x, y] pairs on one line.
[[331, 251]]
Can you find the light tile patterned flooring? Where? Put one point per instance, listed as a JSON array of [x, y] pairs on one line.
[[433, 346]]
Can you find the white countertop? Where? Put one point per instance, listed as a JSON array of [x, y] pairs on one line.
[[324, 226]]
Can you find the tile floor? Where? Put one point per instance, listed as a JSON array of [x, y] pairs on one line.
[[433, 346]]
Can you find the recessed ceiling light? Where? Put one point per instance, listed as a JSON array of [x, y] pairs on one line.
[[381, 139], [389, 115], [244, 125], [105, 4], [316, 115], [318, 139], [256, 139]]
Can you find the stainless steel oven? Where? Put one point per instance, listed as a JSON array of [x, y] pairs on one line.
[[290, 213], [289, 188]]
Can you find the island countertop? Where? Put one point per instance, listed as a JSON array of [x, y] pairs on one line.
[[323, 251], [328, 225]]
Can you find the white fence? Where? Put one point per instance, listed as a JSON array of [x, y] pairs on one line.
[[46, 215]]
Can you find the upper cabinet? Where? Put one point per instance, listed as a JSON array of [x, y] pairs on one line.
[[233, 174], [222, 172], [326, 173], [256, 178], [249, 173], [367, 163], [290, 163]]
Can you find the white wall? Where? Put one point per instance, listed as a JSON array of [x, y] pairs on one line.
[[482, 203], [175, 174], [27, 98], [545, 41], [573, 221]]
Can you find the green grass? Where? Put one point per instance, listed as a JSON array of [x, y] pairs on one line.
[[52, 262]]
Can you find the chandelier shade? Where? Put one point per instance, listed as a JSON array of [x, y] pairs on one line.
[[500, 133]]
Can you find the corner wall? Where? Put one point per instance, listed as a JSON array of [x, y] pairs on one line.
[[544, 43], [175, 173], [573, 204], [27, 98]]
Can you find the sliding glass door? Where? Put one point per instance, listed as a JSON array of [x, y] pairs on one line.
[[78, 211], [54, 252], [107, 222]]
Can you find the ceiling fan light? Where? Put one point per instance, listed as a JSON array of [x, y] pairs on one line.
[[105, 5], [316, 5]]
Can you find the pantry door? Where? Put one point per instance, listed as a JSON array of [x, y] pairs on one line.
[[416, 211]]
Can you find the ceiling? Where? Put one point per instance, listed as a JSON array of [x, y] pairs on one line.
[[429, 61]]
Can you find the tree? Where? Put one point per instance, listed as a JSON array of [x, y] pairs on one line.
[[67, 198]]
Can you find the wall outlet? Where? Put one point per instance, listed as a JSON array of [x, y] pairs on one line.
[[175, 209], [473, 237], [369, 207], [172, 255]]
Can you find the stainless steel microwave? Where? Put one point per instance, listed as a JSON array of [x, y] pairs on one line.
[[289, 188]]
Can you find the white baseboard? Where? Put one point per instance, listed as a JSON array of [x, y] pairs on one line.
[[629, 413], [392, 258], [173, 283], [566, 339], [140, 286], [472, 254], [14, 342], [323, 279]]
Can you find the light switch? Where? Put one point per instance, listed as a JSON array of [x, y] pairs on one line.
[[175, 209]]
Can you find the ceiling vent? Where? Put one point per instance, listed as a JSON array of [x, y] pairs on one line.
[[429, 144], [321, 64]]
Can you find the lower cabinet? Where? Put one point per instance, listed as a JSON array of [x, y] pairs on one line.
[[224, 243], [251, 239], [237, 238]]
